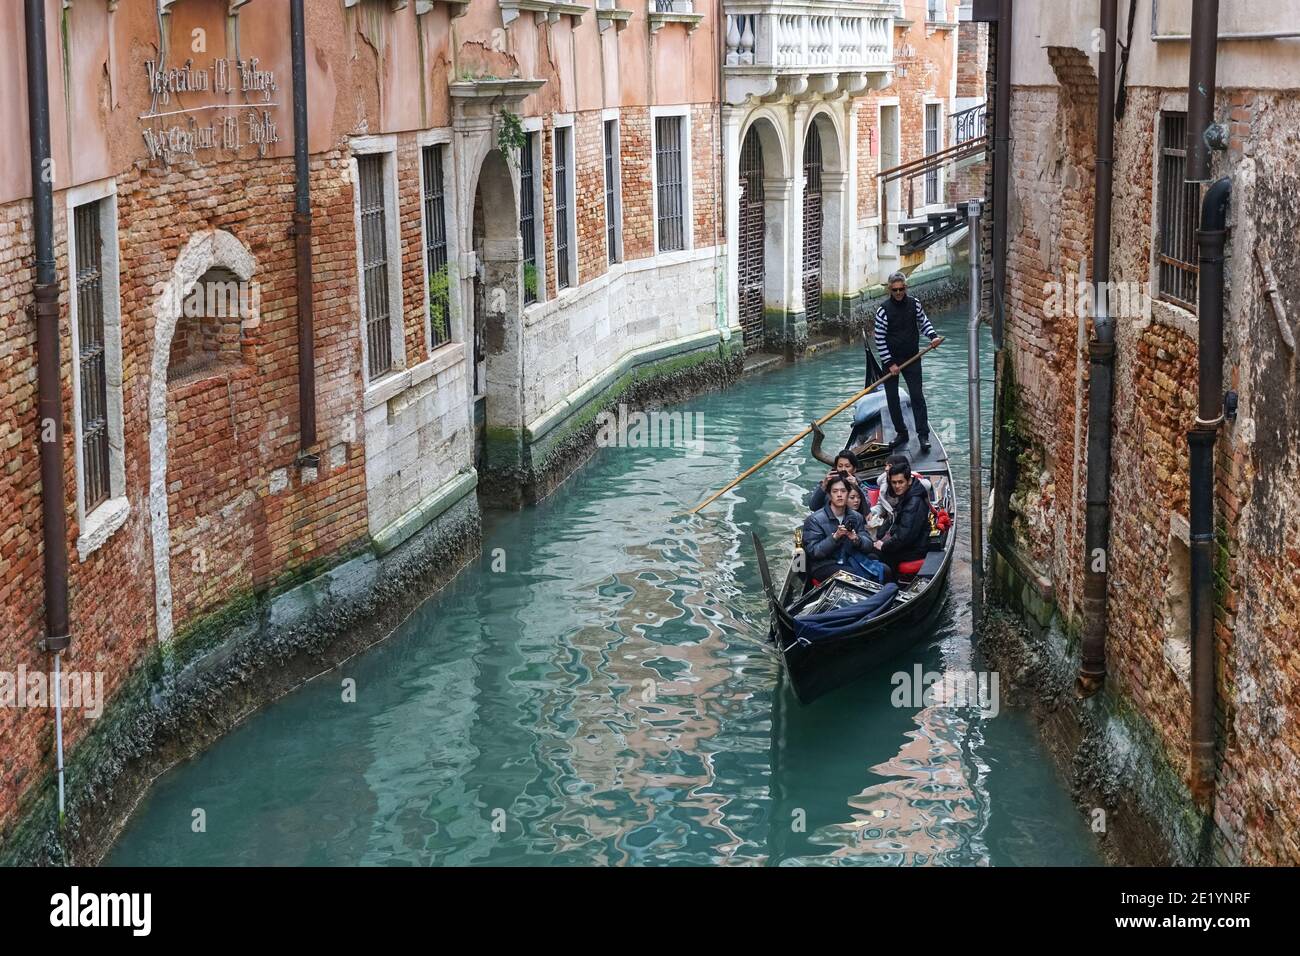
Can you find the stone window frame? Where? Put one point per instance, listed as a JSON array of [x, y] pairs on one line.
[[882, 190], [613, 115], [534, 125], [564, 121], [940, 174], [386, 146], [1163, 311], [688, 179], [95, 528], [455, 331]]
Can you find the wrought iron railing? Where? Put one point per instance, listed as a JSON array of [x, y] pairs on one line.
[[970, 124]]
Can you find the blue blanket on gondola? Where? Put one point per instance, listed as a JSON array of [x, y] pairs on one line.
[[844, 620]]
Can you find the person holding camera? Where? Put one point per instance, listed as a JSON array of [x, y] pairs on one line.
[[846, 467], [833, 533]]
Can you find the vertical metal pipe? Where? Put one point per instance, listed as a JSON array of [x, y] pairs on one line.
[[976, 455], [1001, 165], [302, 236], [49, 421], [1201, 441], [49, 383], [1200, 87], [1101, 392]]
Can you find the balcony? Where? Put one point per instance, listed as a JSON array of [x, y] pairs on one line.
[[803, 48]]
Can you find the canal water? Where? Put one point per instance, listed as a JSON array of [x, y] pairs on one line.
[[598, 689]]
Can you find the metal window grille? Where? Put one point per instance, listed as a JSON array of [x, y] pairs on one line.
[[668, 169], [931, 147], [1178, 201], [751, 263], [664, 6], [374, 264], [812, 228], [435, 239], [562, 276], [934, 10], [612, 168], [527, 222], [92, 374]]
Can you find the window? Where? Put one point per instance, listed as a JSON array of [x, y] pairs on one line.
[[375, 272], [527, 218], [435, 248], [96, 325], [934, 10], [931, 146], [613, 184], [564, 226], [1178, 202], [91, 353], [670, 219]]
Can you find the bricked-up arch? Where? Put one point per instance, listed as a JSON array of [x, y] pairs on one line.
[[205, 251]]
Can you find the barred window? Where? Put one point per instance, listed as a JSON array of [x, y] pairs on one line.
[[613, 211], [1176, 263], [932, 146], [91, 357], [670, 191], [435, 247], [374, 264], [527, 218], [562, 207]]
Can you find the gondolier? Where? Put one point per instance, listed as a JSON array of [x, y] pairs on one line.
[[900, 322]]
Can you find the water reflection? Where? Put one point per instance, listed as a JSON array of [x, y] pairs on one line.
[[610, 698]]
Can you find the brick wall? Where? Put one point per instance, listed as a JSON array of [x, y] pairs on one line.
[[1256, 566], [229, 429], [638, 183]]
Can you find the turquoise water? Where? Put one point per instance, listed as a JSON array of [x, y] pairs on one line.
[[609, 696]]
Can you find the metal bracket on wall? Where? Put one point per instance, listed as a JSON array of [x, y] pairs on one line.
[[1275, 299]]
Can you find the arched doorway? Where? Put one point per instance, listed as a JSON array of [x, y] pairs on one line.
[[493, 296], [812, 227], [752, 265]]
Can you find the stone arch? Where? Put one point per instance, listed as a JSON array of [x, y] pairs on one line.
[[207, 250], [824, 124], [760, 260]]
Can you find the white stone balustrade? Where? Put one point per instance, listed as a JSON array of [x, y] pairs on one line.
[[786, 47]]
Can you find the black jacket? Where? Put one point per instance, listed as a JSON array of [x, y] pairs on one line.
[[909, 536], [821, 548], [899, 327]]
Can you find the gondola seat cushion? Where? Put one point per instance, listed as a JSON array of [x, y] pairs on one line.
[[910, 568]]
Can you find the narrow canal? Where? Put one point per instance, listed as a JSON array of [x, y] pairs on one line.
[[609, 696]]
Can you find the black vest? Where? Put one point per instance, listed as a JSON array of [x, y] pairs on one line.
[[901, 334]]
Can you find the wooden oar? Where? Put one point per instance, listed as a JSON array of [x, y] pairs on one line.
[[821, 421]]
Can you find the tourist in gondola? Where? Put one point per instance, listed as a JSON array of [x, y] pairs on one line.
[[833, 532], [909, 535], [846, 466]]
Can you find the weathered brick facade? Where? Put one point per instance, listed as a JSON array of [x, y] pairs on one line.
[[1043, 420]]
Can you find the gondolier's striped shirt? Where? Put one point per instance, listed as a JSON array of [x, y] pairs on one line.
[[882, 323]]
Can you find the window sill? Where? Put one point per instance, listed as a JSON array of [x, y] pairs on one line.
[[100, 525]]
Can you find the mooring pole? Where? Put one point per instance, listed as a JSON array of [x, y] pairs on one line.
[[976, 456]]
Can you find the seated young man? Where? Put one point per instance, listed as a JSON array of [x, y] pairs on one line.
[[908, 537], [846, 465], [832, 533]]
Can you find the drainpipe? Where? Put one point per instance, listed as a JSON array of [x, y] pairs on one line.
[[1001, 166], [1209, 414], [976, 421], [54, 526], [301, 231], [1101, 391]]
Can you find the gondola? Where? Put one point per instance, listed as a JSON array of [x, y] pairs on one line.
[[815, 667]]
